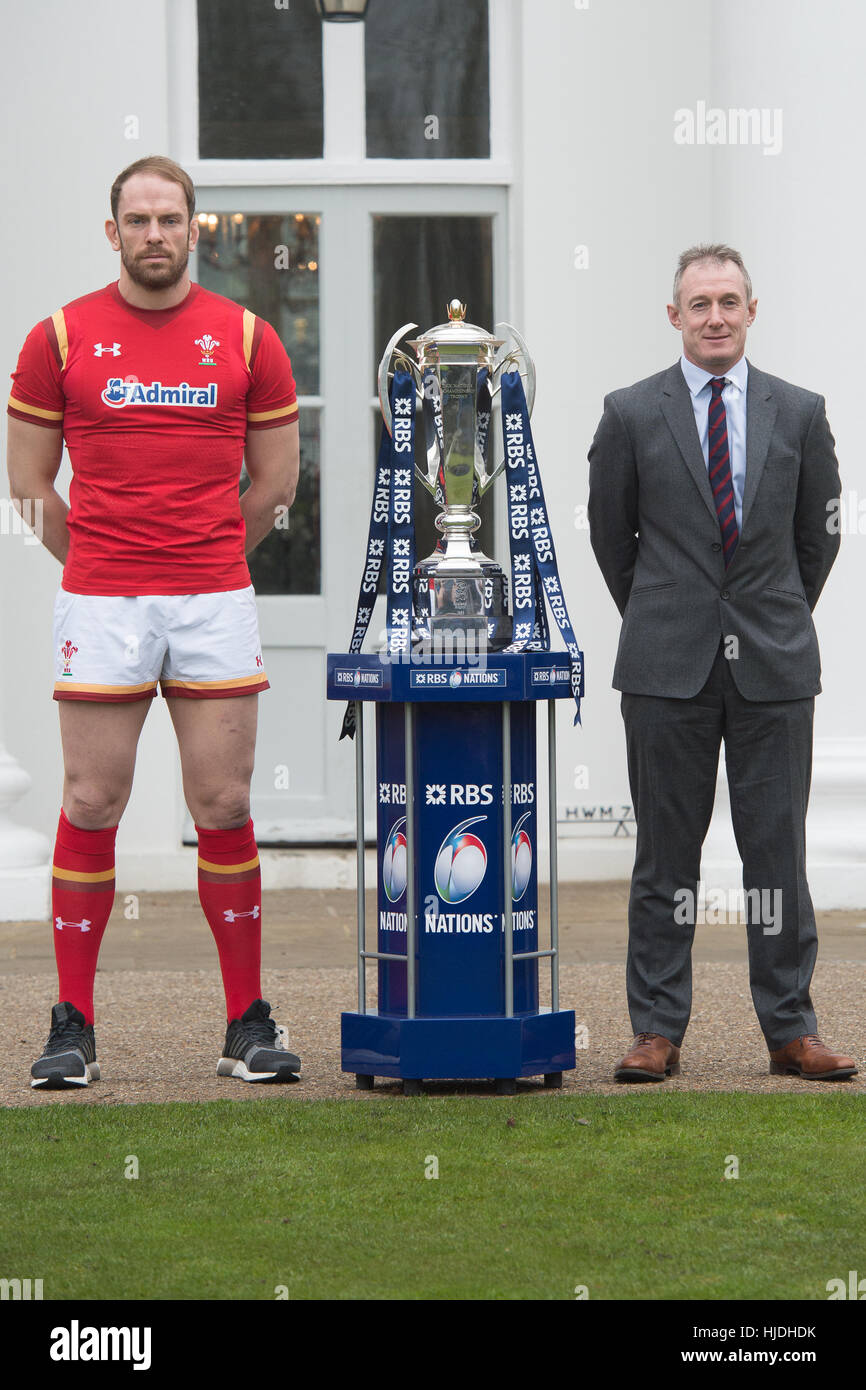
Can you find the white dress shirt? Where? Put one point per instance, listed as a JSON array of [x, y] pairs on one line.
[[734, 398]]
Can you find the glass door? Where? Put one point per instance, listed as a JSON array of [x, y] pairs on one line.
[[336, 271], [350, 178]]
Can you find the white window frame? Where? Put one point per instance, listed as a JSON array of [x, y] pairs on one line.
[[343, 84], [412, 187]]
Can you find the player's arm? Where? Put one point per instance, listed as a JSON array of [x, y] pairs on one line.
[[273, 459], [33, 457]]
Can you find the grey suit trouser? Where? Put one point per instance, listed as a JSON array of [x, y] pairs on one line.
[[673, 755]]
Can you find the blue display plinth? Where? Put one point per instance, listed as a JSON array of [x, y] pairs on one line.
[[457, 900]]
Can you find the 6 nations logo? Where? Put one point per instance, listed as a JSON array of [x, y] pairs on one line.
[[521, 858], [461, 863], [394, 861]]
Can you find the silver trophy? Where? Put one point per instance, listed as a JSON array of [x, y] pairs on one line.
[[458, 590]]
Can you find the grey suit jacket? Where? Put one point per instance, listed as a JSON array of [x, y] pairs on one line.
[[655, 533]]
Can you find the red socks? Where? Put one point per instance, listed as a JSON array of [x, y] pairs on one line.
[[82, 895], [230, 890], [229, 886]]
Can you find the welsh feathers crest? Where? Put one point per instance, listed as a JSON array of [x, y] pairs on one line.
[[207, 345]]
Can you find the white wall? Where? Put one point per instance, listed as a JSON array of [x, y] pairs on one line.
[[800, 215], [601, 170], [70, 75], [795, 215], [596, 165]]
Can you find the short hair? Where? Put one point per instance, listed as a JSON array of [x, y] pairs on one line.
[[714, 252], [155, 164]]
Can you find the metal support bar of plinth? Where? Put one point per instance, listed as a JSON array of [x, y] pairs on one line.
[[508, 900], [554, 865], [409, 742], [359, 840], [363, 954]]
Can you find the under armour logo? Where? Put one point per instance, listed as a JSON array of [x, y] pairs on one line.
[[99, 350], [83, 925], [232, 916]]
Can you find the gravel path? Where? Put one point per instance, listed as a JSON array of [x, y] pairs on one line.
[[160, 1032]]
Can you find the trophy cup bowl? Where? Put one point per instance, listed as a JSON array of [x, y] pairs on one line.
[[460, 595]]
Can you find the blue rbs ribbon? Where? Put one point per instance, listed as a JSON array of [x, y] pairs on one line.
[[392, 532], [535, 574], [401, 516]]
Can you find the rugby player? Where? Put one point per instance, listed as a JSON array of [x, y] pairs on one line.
[[160, 389]]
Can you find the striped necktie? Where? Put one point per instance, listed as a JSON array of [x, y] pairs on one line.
[[719, 462]]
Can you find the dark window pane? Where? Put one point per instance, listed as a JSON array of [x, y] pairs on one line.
[[289, 560], [259, 80], [270, 264], [439, 259], [421, 263], [428, 80]]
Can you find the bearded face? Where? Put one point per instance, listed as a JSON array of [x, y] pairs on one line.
[[158, 265], [153, 232]]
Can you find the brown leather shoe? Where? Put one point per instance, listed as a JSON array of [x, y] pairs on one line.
[[652, 1058], [808, 1057]]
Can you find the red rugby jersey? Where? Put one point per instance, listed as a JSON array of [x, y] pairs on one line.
[[155, 405]]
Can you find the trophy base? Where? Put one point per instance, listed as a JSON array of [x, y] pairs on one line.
[[462, 610]]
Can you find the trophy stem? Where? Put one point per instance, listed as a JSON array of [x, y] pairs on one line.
[[458, 524]]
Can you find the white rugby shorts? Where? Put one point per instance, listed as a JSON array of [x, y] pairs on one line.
[[199, 646]]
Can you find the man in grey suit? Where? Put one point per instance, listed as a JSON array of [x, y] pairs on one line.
[[708, 509]]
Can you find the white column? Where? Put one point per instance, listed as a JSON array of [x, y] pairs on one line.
[[789, 213], [24, 870]]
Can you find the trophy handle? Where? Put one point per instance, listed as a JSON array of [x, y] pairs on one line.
[[528, 377], [384, 400]]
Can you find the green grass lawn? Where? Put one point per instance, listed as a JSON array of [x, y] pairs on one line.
[[535, 1196]]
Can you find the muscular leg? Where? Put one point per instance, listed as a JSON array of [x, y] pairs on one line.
[[99, 742], [217, 745], [217, 741]]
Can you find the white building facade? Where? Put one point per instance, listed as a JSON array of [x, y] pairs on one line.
[[546, 161]]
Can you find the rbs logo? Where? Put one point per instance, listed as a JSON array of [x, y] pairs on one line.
[[471, 794], [459, 794]]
